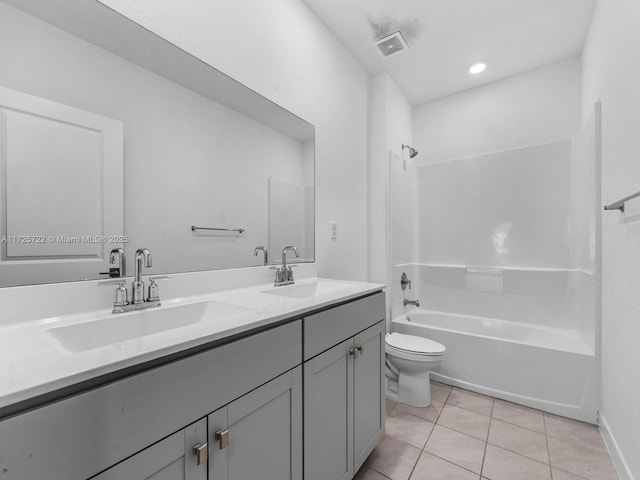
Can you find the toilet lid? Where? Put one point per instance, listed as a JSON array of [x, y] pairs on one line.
[[413, 343]]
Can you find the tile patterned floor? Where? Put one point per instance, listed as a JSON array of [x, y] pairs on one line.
[[467, 436]]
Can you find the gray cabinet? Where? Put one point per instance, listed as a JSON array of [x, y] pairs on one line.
[[344, 405], [110, 423], [328, 414], [259, 435], [170, 459], [248, 395], [368, 392]]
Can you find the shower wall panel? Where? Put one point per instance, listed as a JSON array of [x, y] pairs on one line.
[[508, 208]]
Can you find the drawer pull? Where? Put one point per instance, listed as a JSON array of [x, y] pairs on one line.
[[223, 438], [357, 351], [201, 451]]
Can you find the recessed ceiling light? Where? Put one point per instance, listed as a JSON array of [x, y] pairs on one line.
[[477, 67]]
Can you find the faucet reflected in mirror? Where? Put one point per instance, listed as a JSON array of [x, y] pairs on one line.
[[117, 256], [265, 254]]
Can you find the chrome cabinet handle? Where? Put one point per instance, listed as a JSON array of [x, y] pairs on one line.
[[357, 351], [223, 438], [201, 451]]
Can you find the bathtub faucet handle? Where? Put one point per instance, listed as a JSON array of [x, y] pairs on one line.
[[404, 281]]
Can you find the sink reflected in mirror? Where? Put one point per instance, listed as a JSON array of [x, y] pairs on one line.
[[117, 328], [305, 290]]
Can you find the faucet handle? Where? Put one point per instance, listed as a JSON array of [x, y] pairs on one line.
[[404, 281], [122, 296], [153, 288]]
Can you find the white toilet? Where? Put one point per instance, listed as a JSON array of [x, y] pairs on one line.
[[409, 359]]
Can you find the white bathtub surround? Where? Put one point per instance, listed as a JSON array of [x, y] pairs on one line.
[[546, 368], [547, 297], [523, 342], [496, 214], [506, 273], [36, 360]]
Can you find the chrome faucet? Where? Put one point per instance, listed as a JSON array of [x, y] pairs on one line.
[[117, 256], [137, 292], [138, 302], [284, 274], [415, 302], [265, 254]]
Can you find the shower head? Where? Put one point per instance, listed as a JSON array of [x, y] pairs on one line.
[[412, 151]]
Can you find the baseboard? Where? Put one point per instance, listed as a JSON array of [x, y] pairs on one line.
[[619, 462]]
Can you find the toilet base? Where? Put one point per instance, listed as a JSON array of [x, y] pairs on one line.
[[412, 388]]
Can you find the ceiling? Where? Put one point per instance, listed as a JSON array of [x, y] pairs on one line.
[[445, 36]]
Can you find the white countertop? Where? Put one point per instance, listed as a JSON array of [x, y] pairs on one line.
[[33, 362]]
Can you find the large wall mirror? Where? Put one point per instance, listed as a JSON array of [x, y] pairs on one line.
[[112, 137]]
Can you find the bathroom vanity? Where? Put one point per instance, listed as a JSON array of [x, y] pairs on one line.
[[225, 403]]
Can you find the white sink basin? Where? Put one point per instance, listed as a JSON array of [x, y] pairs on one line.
[[305, 290], [117, 328]]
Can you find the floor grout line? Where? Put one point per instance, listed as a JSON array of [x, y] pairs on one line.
[[486, 444], [423, 451]]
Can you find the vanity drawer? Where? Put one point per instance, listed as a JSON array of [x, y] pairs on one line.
[[80, 436], [325, 329]]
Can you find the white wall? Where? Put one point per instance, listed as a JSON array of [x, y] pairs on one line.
[[611, 73], [534, 107], [281, 50]]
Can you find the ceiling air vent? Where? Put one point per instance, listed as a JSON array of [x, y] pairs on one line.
[[392, 44]]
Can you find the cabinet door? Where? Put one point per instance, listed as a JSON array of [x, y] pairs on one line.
[[328, 414], [262, 435], [369, 411], [169, 459]]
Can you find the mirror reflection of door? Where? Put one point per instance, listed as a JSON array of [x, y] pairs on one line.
[[62, 188]]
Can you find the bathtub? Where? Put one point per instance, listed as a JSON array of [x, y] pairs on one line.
[[548, 368]]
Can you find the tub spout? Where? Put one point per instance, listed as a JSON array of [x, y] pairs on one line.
[[415, 302]]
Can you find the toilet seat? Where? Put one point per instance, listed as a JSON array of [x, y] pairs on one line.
[[412, 344]]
